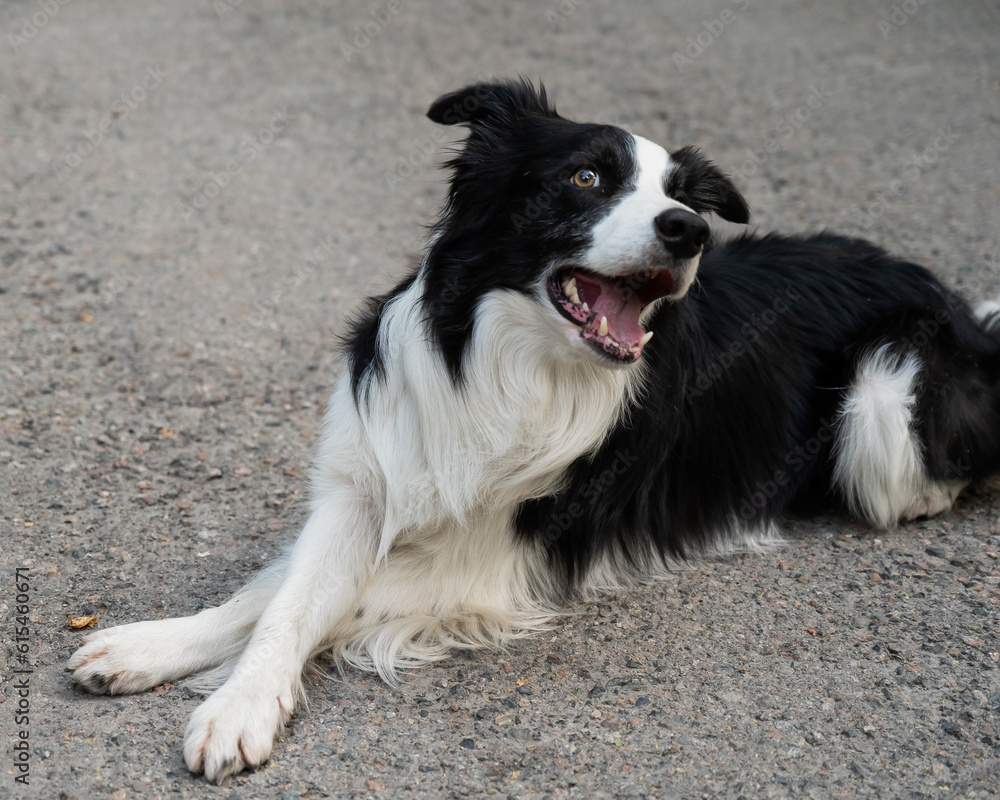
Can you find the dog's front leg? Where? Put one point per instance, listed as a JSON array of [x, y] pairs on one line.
[[235, 727]]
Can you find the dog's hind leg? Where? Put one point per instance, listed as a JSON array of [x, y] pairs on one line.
[[878, 460], [131, 658], [920, 419]]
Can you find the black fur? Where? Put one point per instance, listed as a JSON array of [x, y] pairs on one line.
[[699, 184], [510, 207], [744, 379], [511, 211], [361, 340]]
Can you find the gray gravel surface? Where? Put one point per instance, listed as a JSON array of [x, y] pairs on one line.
[[193, 198]]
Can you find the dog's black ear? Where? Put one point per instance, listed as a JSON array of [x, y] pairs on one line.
[[697, 182], [499, 104]]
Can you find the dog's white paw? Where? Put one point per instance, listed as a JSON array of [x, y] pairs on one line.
[[936, 498], [119, 660], [234, 729]]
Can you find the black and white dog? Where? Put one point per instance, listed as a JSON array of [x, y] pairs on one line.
[[573, 390]]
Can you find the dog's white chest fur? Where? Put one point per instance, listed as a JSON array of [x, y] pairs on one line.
[[430, 453]]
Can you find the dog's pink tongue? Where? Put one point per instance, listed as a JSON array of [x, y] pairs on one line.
[[622, 310]]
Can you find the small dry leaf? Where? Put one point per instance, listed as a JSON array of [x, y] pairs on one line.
[[81, 622]]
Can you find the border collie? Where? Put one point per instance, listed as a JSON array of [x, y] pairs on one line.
[[575, 389]]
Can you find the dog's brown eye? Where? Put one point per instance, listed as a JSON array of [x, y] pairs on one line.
[[586, 178]]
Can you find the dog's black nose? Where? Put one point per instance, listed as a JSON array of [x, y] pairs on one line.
[[682, 233]]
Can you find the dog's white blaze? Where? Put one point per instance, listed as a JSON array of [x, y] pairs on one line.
[[626, 237]]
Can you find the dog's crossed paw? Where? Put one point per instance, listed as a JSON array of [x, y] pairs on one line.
[[114, 661], [233, 730]]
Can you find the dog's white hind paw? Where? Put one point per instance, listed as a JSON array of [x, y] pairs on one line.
[[936, 498], [118, 660], [233, 730]]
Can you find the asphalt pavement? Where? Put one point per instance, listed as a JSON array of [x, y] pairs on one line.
[[195, 196]]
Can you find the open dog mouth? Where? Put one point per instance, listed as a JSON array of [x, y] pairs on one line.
[[607, 309]]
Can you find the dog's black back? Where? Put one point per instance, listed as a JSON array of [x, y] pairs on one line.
[[743, 388]]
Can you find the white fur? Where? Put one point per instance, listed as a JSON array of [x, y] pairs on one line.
[[878, 459], [625, 240], [987, 314], [410, 549], [934, 497], [878, 463], [131, 658]]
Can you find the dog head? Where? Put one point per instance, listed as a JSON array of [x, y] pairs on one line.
[[598, 223]]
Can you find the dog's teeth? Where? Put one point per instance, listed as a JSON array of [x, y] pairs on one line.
[[645, 339], [570, 286], [575, 297], [603, 330], [586, 309]]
